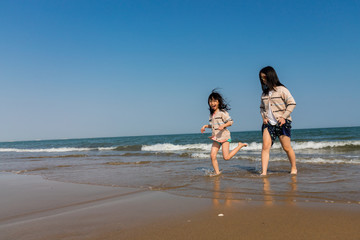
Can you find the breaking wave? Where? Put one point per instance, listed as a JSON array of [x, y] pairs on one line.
[[53, 150], [254, 146], [197, 147]]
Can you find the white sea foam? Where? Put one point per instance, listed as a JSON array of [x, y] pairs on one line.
[[106, 148], [315, 160], [328, 161], [48, 150], [320, 145], [200, 155], [166, 147], [305, 145], [198, 147], [254, 146]]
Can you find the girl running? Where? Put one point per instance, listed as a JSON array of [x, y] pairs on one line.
[[219, 121]]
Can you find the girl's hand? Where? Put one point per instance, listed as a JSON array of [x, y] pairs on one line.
[[281, 121], [221, 127], [203, 129], [266, 121]]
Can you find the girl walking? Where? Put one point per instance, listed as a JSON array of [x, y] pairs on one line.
[[276, 105], [219, 121]]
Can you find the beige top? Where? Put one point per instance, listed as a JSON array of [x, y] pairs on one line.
[[217, 119], [281, 103]]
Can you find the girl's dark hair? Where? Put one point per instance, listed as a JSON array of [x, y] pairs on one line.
[[272, 80], [223, 105]]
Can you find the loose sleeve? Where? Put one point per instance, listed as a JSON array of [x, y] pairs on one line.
[[289, 102], [210, 121], [226, 117], [262, 108]]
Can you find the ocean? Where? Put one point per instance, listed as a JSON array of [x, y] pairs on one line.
[[328, 162]]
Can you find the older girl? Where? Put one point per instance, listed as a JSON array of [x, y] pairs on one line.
[[276, 105]]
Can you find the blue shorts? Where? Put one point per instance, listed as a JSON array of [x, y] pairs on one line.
[[277, 131]]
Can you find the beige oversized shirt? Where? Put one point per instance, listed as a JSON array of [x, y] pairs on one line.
[[281, 103], [217, 119]]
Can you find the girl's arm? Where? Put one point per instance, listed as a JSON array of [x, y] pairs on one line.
[[290, 105], [203, 128], [228, 124], [289, 101], [263, 111], [227, 121]]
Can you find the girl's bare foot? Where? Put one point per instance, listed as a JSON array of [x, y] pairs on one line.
[[293, 171], [241, 145], [214, 174]]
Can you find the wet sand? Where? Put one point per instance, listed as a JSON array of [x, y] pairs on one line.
[[34, 208]]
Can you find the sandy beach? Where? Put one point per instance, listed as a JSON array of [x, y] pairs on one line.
[[34, 208]]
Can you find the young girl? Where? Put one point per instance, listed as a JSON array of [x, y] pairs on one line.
[[219, 121], [275, 108]]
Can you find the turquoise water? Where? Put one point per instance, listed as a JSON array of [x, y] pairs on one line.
[[328, 162]]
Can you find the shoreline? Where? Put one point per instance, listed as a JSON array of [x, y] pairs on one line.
[[35, 208]]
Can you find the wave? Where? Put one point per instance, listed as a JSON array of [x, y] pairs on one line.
[[128, 148], [172, 147], [350, 145], [53, 150], [66, 149], [60, 156], [328, 161], [127, 163], [254, 146]]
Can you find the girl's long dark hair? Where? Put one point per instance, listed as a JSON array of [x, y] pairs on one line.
[[223, 105], [272, 80]]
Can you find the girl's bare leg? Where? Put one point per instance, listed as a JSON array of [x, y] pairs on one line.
[[286, 145], [214, 150], [265, 152], [225, 150]]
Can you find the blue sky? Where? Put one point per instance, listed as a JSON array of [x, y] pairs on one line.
[[74, 69]]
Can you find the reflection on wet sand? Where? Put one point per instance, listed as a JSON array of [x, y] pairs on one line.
[[227, 196], [221, 197], [268, 195], [293, 190], [289, 196]]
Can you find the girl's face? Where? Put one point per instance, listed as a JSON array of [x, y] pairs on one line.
[[214, 104], [263, 78]]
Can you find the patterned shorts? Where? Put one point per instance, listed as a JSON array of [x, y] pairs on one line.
[[277, 131]]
